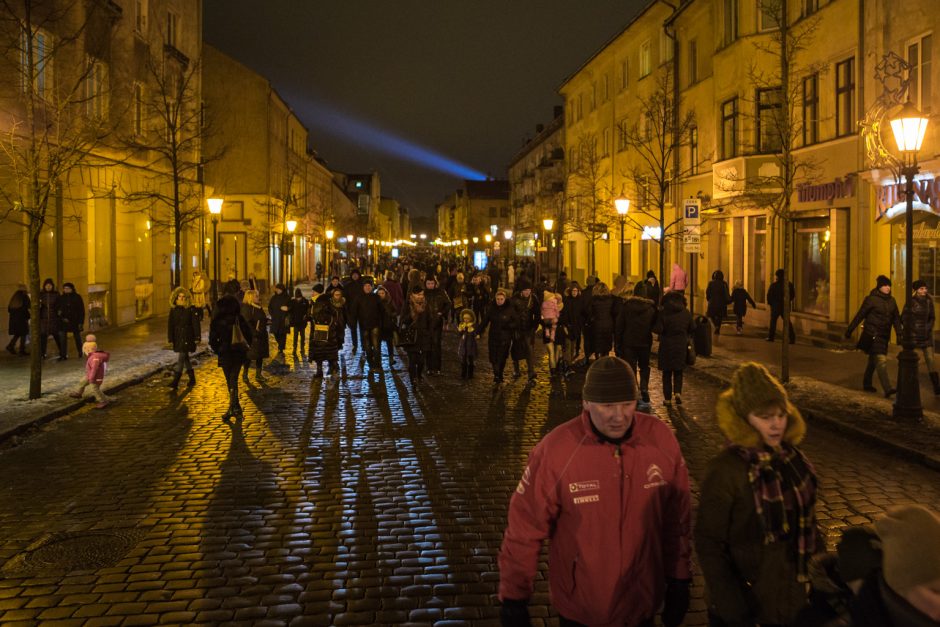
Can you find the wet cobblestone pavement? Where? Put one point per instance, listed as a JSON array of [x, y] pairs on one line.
[[348, 501]]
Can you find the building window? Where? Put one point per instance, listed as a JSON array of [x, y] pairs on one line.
[[504, 212], [665, 47], [768, 15], [729, 21], [493, 212], [693, 62], [845, 97], [811, 109], [769, 120], [729, 128], [580, 106], [36, 77], [622, 130], [808, 7], [140, 16], [172, 28], [624, 74], [646, 61], [138, 109], [605, 88], [918, 55], [693, 150], [607, 135], [757, 271], [95, 90], [811, 265], [593, 101]]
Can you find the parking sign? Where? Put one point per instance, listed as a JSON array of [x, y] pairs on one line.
[[691, 208]]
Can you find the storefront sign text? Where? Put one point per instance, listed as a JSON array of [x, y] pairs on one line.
[[839, 188], [926, 191]]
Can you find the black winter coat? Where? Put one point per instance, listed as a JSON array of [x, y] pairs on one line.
[[279, 317], [258, 321], [71, 311], [530, 312], [389, 322], [740, 297], [183, 330], [717, 296], [19, 313], [503, 323], [880, 313], [48, 313], [423, 322], [919, 314], [635, 322], [369, 311], [324, 313], [353, 292], [298, 312], [775, 296], [602, 314], [438, 304], [572, 314], [225, 315], [674, 326]]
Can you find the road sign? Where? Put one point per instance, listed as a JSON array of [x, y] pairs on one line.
[[692, 239], [691, 208], [597, 227]]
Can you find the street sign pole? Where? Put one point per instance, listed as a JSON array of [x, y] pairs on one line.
[[692, 239]]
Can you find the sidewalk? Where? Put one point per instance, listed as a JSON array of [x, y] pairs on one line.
[[826, 385], [137, 352]]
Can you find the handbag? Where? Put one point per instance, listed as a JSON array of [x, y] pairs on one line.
[[407, 336], [689, 354], [321, 333], [238, 338]]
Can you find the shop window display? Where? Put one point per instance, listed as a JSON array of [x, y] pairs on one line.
[[811, 247]]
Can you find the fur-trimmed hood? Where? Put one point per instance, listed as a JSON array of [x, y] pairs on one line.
[[176, 292], [738, 431]]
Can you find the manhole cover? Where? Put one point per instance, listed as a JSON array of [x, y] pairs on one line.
[[58, 553]]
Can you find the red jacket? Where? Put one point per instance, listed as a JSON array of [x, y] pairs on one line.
[[95, 366], [618, 518]]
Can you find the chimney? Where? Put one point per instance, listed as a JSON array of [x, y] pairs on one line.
[[539, 128], [559, 111]]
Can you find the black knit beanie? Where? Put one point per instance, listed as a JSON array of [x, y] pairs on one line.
[[609, 380], [882, 280]]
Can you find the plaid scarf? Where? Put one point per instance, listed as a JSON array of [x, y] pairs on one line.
[[784, 482]]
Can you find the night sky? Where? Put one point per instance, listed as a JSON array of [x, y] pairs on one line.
[[455, 85]]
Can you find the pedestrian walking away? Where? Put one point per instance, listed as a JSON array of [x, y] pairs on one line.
[[905, 592], [878, 314], [678, 279], [70, 307], [230, 335], [259, 348], [740, 299], [467, 345], [674, 326], [18, 308], [183, 334], [919, 317], [610, 490], [775, 302], [96, 365], [297, 315], [49, 323], [755, 531], [634, 337], [718, 298], [352, 291]]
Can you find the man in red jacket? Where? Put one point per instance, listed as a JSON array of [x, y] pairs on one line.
[[610, 489]]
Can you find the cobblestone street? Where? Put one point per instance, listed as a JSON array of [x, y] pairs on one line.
[[349, 501]]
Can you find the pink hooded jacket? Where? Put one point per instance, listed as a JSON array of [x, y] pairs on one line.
[[96, 365]]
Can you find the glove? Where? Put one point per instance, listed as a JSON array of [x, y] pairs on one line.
[[676, 603], [514, 613]]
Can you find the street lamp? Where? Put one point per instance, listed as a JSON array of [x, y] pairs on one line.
[[329, 257], [291, 225], [623, 206], [547, 225], [909, 127], [215, 210]]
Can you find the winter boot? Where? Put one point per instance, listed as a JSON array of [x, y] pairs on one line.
[[935, 379], [176, 379], [192, 378], [10, 347]]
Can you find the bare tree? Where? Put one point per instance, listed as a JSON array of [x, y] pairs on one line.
[[288, 202], [589, 195], [54, 69], [784, 59], [655, 140], [169, 135]]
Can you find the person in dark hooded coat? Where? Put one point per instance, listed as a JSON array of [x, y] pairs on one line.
[[279, 313], [674, 325], [183, 333], [326, 331], [259, 347], [634, 335], [368, 313], [232, 356], [602, 313], [18, 308], [49, 323], [880, 313], [297, 316], [572, 321], [71, 311], [919, 317], [502, 320], [718, 298], [417, 322]]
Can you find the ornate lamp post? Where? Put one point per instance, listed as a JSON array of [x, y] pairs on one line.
[[547, 225], [507, 235], [289, 249], [215, 210], [329, 257], [623, 206], [909, 126]]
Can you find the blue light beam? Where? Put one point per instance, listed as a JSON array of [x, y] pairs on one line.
[[337, 124]]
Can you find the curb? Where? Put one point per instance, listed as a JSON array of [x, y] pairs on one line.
[[9, 438], [847, 428]]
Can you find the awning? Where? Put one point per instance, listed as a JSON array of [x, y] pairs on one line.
[[922, 213]]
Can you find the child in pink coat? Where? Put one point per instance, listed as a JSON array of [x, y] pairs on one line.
[[551, 311], [96, 365]]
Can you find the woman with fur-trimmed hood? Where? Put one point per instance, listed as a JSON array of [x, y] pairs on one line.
[[756, 526], [183, 333], [467, 345]]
